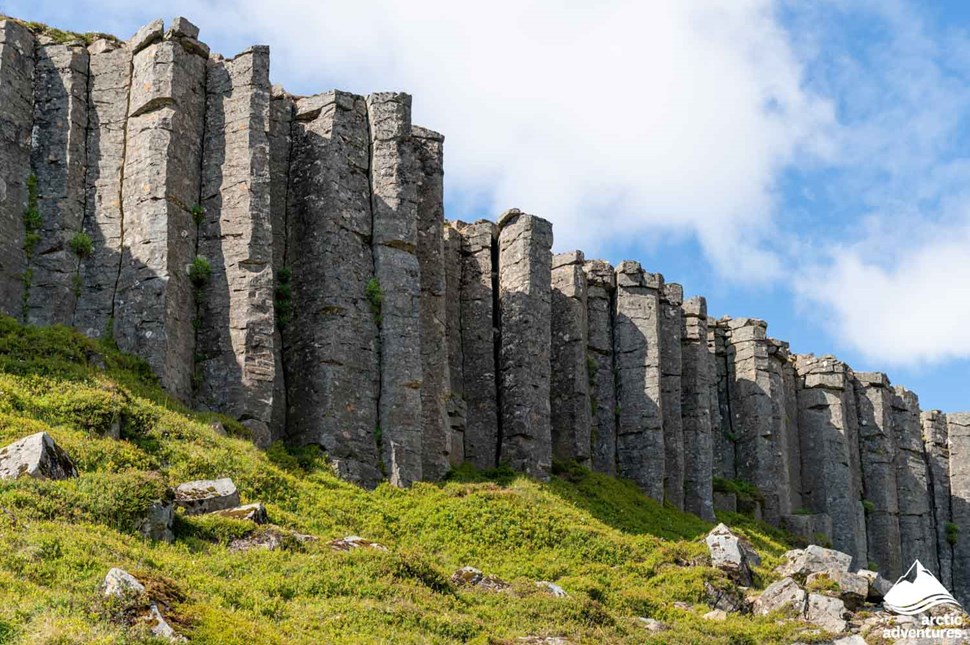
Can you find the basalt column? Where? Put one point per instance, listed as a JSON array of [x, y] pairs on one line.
[[671, 330], [938, 465], [958, 440], [330, 340], [154, 302], [755, 401], [397, 284], [826, 421], [109, 80], [600, 296], [724, 438], [639, 430], [916, 532], [436, 443], [237, 343], [696, 379], [455, 402], [58, 163], [785, 383], [524, 277], [874, 401], [16, 121], [478, 342], [570, 374]]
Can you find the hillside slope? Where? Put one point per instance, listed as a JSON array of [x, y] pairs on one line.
[[618, 554]]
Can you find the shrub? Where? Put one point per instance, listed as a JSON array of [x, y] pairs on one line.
[[952, 532], [198, 214], [81, 244], [199, 272], [375, 296]]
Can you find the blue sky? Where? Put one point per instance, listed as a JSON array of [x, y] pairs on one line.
[[804, 163]]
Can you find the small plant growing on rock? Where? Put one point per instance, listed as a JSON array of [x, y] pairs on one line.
[[869, 506], [198, 214], [952, 533], [375, 296], [32, 218], [82, 245], [199, 272]]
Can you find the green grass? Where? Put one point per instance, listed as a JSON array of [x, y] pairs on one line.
[[618, 554]]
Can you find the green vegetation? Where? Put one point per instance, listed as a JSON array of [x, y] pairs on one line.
[[375, 296], [746, 491], [81, 244], [61, 37], [952, 533], [32, 225], [618, 554], [199, 272], [868, 506], [823, 584], [198, 214]]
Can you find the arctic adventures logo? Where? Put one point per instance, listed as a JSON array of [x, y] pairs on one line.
[[915, 593]]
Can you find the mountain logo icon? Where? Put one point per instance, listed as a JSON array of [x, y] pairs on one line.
[[917, 591]]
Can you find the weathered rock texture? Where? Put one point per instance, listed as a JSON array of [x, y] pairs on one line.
[[285, 260], [524, 278]]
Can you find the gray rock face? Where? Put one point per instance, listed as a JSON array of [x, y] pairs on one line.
[[958, 442], [524, 277], [154, 303], [783, 595], [933, 424], [58, 162], [697, 386], [731, 554], [436, 441], [330, 341], [671, 391], [757, 404], [393, 181], [917, 534], [853, 589], [35, 456], [16, 121], [723, 436], [478, 317], [810, 526], [455, 402], [639, 430], [239, 357], [109, 79], [826, 612], [157, 523], [118, 583], [206, 496], [600, 296], [571, 419], [814, 559], [877, 448]]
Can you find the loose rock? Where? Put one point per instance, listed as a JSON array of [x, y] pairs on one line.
[[731, 554], [785, 594], [472, 577], [253, 512], [35, 456], [826, 612], [207, 496], [355, 542], [553, 589]]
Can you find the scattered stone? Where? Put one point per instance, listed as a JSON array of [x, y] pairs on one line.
[[543, 640], [652, 624], [716, 614], [219, 428], [35, 456], [553, 589], [826, 612], [728, 599], [157, 524], [269, 539], [118, 583], [878, 586], [161, 628], [732, 554], [355, 542], [147, 35], [853, 588], [472, 577], [855, 639], [680, 604], [255, 513], [207, 496], [814, 559], [785, 594]]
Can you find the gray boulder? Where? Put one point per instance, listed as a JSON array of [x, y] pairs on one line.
[[157, 523], [732, 555], [783, 595], [255, 513], [813, 559], [553, 589], [826, 612], [35, 456], [118, 583], [472, 577], [352, 542], [853, 589], [878, 586], [207, 496]]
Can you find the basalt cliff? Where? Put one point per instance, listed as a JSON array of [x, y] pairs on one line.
[[286, 260]]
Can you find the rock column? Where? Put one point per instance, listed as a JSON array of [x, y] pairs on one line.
[[58, 158], [455, 401], [696, 406], [724, 438], [524, 277], [570, 373], [237, 342], [479, 350], [601, 294], [639, 429], [874, 400], [16, 121], [109, 81], [331, 342], [397, 277], [938, 466], [436, 440], [154, 302], [958, 441], [671, 330], [916, 532]]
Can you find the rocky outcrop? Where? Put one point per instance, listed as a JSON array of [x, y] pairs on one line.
[[455, 404], [697, 387], [600, 301], [525, 285], [671, 362], [570, 402], [732, 554], [35, 456], [958, 442], [934, 430], [640, 452]]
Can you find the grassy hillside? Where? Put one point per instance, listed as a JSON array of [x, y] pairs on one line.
[[618, 554]]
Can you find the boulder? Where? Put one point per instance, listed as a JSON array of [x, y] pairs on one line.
[[652, 624], [854, 639], [553, 589], [732, 555], [725, 599], [826, 612], [160, 627], [35, 456], [813, 559], [355, 542], [783, 595], [157, 523], [878, 586], [852, 588], [207, 496], [253, 512], [716, 614], [121, 584], [472, 577]]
